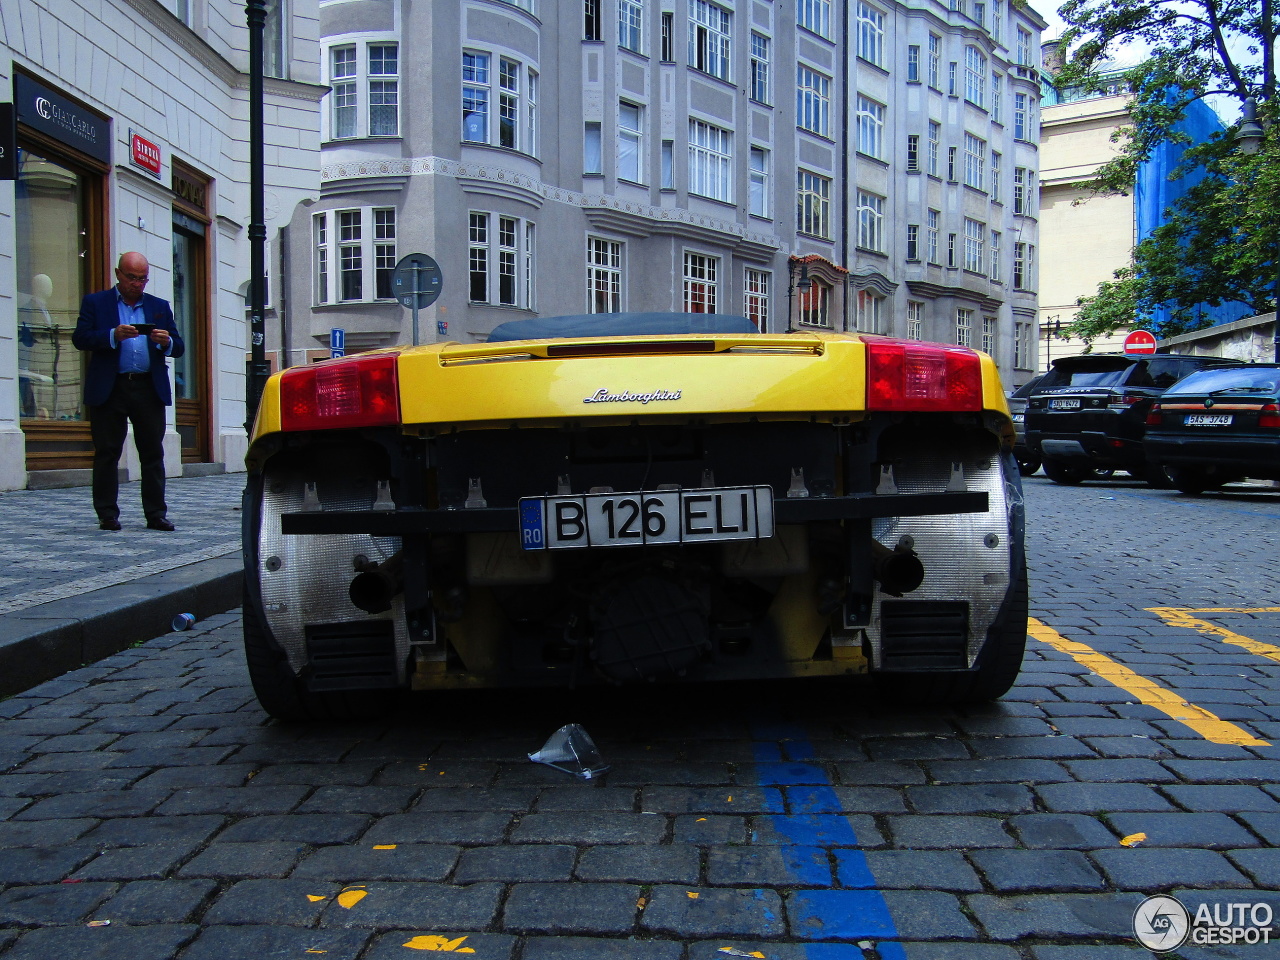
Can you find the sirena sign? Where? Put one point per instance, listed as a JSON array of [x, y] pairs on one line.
[[144, 154]]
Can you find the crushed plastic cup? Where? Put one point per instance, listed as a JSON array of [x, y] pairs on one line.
[[184, 621], [571, 750]]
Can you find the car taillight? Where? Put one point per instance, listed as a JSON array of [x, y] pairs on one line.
[[1153, 415], [1269, 417], [359, 392], [907, 375]]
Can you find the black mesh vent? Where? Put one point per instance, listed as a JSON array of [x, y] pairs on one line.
[[351, 656], [921, 636]]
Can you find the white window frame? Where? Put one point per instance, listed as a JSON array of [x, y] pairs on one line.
[[995, 255], [870, 221], [604, 275], [814, 305], [503, 250], [344, 86], [913, 153], [761, 60], [813, 101], [997, 21], [964, 327], [974, 253], [630, 25], [1023, 55], [997, 97], [915, 320], [932, 226], [935, 140], [814, 16], [870, 33], [387, 94], [813, 204], [995, 176], [630, 145], [975, 161], [354, 245], [935, 61], [1022, 340], [710, 38], [869, 312], [913, 242], [710, 161], [758, 182], [975, 76], [990, 334], [871, 118], [1020, 190], [700, 286], [755, 297], [506, 89], [913, 63], [1021, 116]]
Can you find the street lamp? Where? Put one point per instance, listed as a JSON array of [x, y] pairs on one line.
[[258, 370], [803, 286], [1249, 141]]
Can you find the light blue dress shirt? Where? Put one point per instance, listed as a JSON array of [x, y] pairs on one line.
[[133, 352]]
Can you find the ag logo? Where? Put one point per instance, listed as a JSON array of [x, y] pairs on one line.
[[1161, 923]]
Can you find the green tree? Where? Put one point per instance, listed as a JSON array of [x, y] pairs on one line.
[[1221, 240]]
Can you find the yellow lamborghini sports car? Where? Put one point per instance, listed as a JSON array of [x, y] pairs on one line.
[[633, 497]]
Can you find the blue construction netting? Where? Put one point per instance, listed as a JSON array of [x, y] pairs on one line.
[[1156, 193]]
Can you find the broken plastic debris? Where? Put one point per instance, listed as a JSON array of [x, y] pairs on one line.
[[349, 898], [314, 898], [572, 750], [98, 923], [384, 846], [1133, 839], [692, 894], [735, 952]]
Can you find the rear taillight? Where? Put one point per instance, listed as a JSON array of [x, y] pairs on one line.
[[1153, 415], [908, 375], [1269, 417], [359, 392]]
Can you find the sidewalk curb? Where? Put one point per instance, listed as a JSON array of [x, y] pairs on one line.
[[47, 640]]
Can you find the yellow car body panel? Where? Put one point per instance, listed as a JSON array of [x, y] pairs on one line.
[[451, 384]]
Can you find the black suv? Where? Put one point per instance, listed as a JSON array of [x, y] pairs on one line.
[[1089, 412]]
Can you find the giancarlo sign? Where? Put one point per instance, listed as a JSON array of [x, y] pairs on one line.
[[46, 110]]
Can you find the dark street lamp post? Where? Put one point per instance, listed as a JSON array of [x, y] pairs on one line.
[[1249, 140], [804, 284], [258, 370]]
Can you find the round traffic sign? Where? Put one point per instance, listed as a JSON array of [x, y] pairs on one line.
[[1141, 342], [416, 278]]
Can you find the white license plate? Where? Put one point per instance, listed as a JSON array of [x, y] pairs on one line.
[[1019, 418], [646, 518], [1208, 420], [1064, 403]]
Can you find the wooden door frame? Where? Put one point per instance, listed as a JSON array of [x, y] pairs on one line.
[[203, 306]]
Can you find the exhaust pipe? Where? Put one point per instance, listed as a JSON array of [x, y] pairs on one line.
[[377, 583], [898, 571]]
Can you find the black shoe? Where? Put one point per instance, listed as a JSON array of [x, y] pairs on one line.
[[109, 525], [159, 524]]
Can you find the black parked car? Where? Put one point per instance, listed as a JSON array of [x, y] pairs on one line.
[[1028, 460], [1218, 426], [1089, 412]]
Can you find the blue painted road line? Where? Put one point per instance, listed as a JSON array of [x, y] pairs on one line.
[[809, 816]]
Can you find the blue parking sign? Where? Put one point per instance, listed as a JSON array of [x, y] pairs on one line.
[[337, 342]]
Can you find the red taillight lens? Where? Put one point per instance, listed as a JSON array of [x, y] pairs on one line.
[[907, 375], [1269, 417], [1153, 415], [360, 392]]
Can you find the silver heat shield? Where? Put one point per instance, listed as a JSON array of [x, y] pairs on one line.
[[965, 555], [305, 579]]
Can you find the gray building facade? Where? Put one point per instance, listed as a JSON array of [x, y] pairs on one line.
[[862, 165]]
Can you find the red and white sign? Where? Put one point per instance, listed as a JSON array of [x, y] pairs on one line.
[[144, 153], [1141, 342]]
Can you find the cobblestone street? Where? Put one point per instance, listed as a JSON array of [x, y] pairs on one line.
[[151, 811]]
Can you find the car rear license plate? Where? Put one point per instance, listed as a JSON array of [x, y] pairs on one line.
[[646, 518], [1064, 403], [1019, 418], [1208, 420]]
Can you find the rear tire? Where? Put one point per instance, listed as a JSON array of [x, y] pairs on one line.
[[1027, 464], [1157, 476], [993, 675], [1070, 474], [1194, 482], [284, 696]]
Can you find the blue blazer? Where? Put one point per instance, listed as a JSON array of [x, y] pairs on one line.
[[99, 315]]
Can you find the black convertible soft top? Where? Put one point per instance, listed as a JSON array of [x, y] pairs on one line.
[[620, 325]]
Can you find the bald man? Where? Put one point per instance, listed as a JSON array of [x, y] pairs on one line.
[[129, 334]]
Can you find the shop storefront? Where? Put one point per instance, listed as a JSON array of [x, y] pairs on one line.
[[62, 164], [191, 371]]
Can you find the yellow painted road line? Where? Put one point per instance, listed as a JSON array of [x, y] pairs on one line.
[[1200, 720], [1182, 617]]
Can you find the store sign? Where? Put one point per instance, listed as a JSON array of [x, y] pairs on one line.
[[144, 154], [192, 191], [8, 144], [43, 109]]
